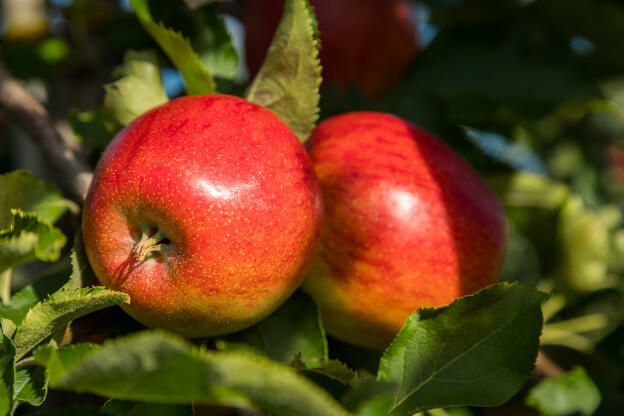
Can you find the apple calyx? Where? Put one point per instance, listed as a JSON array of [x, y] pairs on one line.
[[152, 241]]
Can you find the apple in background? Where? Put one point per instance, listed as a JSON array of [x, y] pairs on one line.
[[368, 43], [408, 224], [206, 211]]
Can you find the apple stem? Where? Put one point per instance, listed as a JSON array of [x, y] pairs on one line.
[[149, 243]]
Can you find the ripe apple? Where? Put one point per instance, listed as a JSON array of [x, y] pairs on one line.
[[407, 224], [206, 211], [368, 43]]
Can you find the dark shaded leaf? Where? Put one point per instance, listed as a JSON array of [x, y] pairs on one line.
[[7, 374], [59, 309], [90, 126], [371, 398], [126, 408], [294, 329]]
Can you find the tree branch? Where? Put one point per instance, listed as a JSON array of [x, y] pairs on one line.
[[74, 177], [547, 367]]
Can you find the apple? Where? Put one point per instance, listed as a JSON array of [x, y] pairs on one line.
[[408, 224], [368, 43], [206, 211]]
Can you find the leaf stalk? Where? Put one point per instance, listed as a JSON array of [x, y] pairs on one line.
[[5, 286]]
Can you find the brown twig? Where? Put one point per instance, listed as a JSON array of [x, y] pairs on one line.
[[73, 176], [547, 367]]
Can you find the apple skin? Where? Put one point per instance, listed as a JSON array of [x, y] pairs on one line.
[[408, 224], [235, 195], [368, 43]]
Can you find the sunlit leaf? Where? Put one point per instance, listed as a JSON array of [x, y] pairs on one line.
[[31, 385], [22, 190], [138, 90], [289, 79], [29, 238], [57, 310], [178, 48]]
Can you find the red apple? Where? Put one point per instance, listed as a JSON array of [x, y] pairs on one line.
[[408, 224], [206, 211], [368, 43]]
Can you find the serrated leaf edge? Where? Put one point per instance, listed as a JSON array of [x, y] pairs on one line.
[[149, 24], [312, 31], [8, 235], [82, 294], [199, 352], [417, 315]]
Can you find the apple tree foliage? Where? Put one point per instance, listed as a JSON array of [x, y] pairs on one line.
[[524, 89]]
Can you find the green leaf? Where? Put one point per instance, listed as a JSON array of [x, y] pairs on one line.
[[59, 309], [158, 367], [82, 274], [22, 190], [7, 374], [127, 408], [477, 351], [204, 28], [77, 276], [59, 362], [138, 90], [376, 406], [8, 327], [29, 296], [371, 398], [336, 370], [571, 393], [213, 43], [31, 385], [333, 369], [76, 411], [294, 329], [91, 126], [198, 80], [289, 79], [29, 238]]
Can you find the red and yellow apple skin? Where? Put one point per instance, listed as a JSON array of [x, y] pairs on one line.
[[236, 204], [408, 224], [368, 43]]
